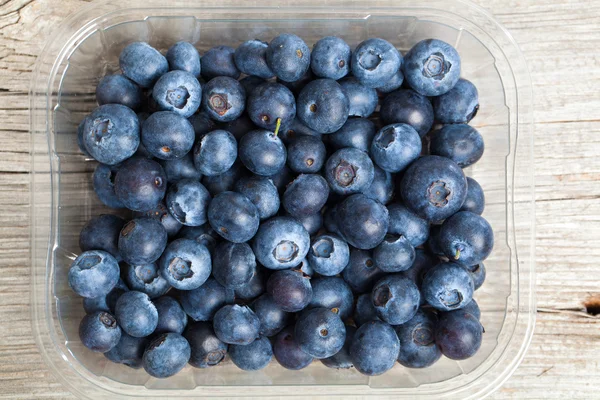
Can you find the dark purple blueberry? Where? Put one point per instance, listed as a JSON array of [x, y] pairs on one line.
[[288, 353], [202, 124], [140, 184], [254, 288], [458, 334], [408, 107], [290, 289], [272, 318]]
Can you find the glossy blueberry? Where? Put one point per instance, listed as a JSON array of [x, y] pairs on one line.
[[290, 289], [251, 58], [117, 89], [262, 193], [374, 348], [142, 241], [224, 182], [183, 56], [362, 221], [252, 357], [305, 195], [466, 238], [224, 99], [475, 200], [287, 351], [219, 61], [215, 153], [269, 102], [80, 141], [356, 132], [417, 341], [478, 275], [280, 243], [262, 152], [473, 309], [457, 106], [288, 57], [167, 135], [99, 331], [128, 351], [306, 154], [395, 146], [394, 83], [361, 273], [240, 126], [406, 223], [396, 299], [162, 214], [105, 303], [394, 254], [320, 332], [362, 99], [341, 359], [408, 107], [424, 261], [136, 314], [254, 288], [349, 171], [328, 254], [458, 334], [235, 324], [375, 61], [432, 67], [434, 187], [185, 264], [142, 64], [233, 216], [111, 133], [140, 184], [461, 143], [93, 273], [147, 279], [178, 92], [333, 293], [330, 58], [202, 303], [203, 234], [272, 318], [171, 317], [282, 178], [447, 287], [166, 355], [322, 105], [233, 264], [382, 187], [365, 310], [294, 130], [102, 233], [202, 124], [187, 201], [312, 223], [206, 348]]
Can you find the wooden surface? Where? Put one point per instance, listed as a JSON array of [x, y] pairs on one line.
[[560, 40]]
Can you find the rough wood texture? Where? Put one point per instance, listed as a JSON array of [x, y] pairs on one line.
[[560, 41]]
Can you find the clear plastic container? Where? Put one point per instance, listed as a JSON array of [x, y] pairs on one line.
[[87, 46]]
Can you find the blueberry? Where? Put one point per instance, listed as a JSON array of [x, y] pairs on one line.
[[147, 279], [107, 302], [466, 238], [330, 58], [202, 124], [408, 107], [287, 351], [290, 289], [178, 92], [202, 303], [128, 351], [80, 134], [460, 143], [341, 359], [225, 181], [219, 61], [362, 99], [233, 216], [140, 184], [203, 234], [171, 317], [142, 241], [272, 318], [305, 268], [296, 129], [382, 187], [362, 221], [252, 357], [93, 274], [361, 273], [457, 106], [394, 83], [478, 275], [475, 200], [333, 293], [349, 171], [432, 67], [458, 334], [320, 332], [306, 155], [312, 223], [136, 314], [188, 201], [417, 341], [117, 89], [356, 132], [102, 233], [142, 64], [251, 58], [280, 243], [235, 324], [282, 178], [434, 187], [183, 56], [433, 244], [374, 348], [99, 331], [395, 146], [262, 193], [242, 125], [224, 99], [111, 133], [375, 61], [394, 254], [262, 152], [234, 264], [447, 287], [161, 214], [288, 56], [166, 355], [185, 264], [298, 85], [328, 254], [215, 153], [206, 348], [306, 195], [406, 223], [254, 288], [396, 299], [365, 310], [424, 261], [167, 135], [269, 102], [322, 105]]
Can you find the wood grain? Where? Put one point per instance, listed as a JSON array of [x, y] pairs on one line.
[[559, 40]]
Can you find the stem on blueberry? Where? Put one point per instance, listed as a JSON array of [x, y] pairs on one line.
[[457, 255], [277, 126]]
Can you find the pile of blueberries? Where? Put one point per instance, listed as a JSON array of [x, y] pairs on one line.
[[315, 209]]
